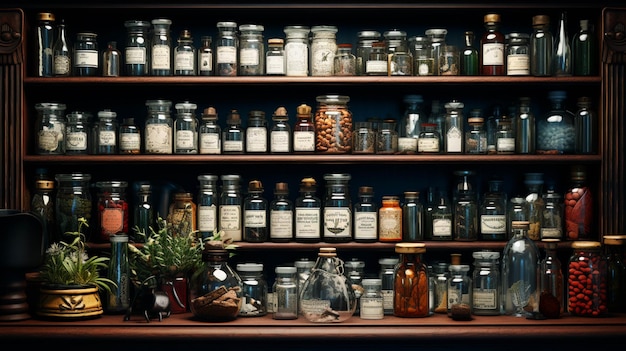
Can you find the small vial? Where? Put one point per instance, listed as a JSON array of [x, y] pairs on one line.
[[285, 293], [233, 135], [130, 137], [371, 302], [106, 133], [185, 55], [387, 276], [476, 136], [205, 56], [209, 133], [280, 135], [275, 57], [111, 60], [390, 220], [429, 141], [186, 129], [365, 216]]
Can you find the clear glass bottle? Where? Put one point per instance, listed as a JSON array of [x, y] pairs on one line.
[[326, 295], [376, 64], [423, 62], [129, 137], [616, 272], [275, 63], [556, 131], [465, 208], [118, 299], [442, 222], [233, 136], [209, 133], [205, 56], [492, 128], [137, 51], [256, 132], [285, 290], [492, 58], [517, 210], [517, 54], [354, 271], [579, 202], [439, 281], [390, 219], [414, 116], [365, 40], [42, 205], [476, 136], [86, 55], [281, 214], [585, 50], [304, 130], [186, 129], [534, 191], [304, 267], [344, 62], [50, 128], [105, 133], [430, 140], [337, 212], [208, 201], [308, 213], [454, 127], [519, 273], [159, 128], [113, 212], [486, 283], [251, 50], [62, 52], [469, 56], [161, 48], [412, 217], [525, 128], [365, 216], [111, 60], [230, 207], [73, 201], [449, 61], [429, 207], [552, 218], [143, 213], [364, 138], [185, 55], [586, 127], [254, 294], [387, 276], [437, 38], [562, 59], [280, 134], [297, 51], [255, 214], [493, 212], [226, 49], [541, 47], [371, 302], [44, 42], [551, 281], [333, 113], [400, 59], [588, 296], [411, 282], [505, 136], [323, 49], [182, 215], [459, 290], [387, 137], [78, 138]]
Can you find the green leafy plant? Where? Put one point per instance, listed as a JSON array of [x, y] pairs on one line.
[[68, 263]]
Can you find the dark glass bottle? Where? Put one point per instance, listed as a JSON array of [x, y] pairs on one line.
[[469, 57], [42, 204], [541, 47], [281, 214], [429, 207], [233, 135], [525, 128], [208, 200], [308, 213], [615, 255], [412, 217], [585, 50], [586, 128], [411, 293], [442, 222], [337, 217], [255, 223], [143, 215], [118, 299], [230, 207], [44, 41], [365, 216], [493, 212], [492, 47]]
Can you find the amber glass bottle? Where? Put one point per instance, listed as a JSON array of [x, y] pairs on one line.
[[411, 282], [492, 47]]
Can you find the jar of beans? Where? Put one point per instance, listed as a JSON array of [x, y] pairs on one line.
[[587, 280], [333, 125]]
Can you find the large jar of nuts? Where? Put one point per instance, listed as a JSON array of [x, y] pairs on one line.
[[333, 124], [587, 280]]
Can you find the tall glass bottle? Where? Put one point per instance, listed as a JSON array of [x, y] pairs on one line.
[[281, 214], [541, 47], [280, 134], [185, 60], [429, 207], [323, 48], [442, 222], [552, 218], [454, 127], [616, 265], [337, 215], [562, 59], [519, 273], [230, 207], [137, 52], [105, 133], [308, 213], [161, 60], [44, 41], [411, 291], [42, 204], [469, 57], [525, 128], [233, 136], [143, 214], [585, 123], [251, 51], [578, 213], [365, 216], [551, 282], [585, 50], [186, 129], [534, 192], [255, 210], [412, 217], [297, 50], [413, 117], [304, 130], [437, 38], [492, 47], [62, 52], [465, 208], [208, 200], [226, 48], [205, 56], [493, 213], [118, 299]]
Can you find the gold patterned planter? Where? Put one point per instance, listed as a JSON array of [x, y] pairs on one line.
[[69, 303]]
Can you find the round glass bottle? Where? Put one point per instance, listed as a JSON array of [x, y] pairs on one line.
[[587, 297], [556, 131], [161, 48], [411, 290], [323, 49], [137, 49], [86, 55], [73, 202], [113, 210], [158, 128], [251, 50], [337, 213], [51, 125], [255, 290], [333, 124]]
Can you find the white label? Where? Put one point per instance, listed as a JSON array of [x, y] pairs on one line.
[[442, 227], [185, 139], [365, 225], [206, 62], [161, 57], [281, 224], [376, 66], [492, 224], [207, 218], [517, 65], [249, 57], [484, 299], [407, 144], [337, 223], [304, 141], [554, 233], [279, 141], [371, 308], [315, 307], [226, 54], [275, 65], [454, 140], [505, 145], [308, 222], [230, 221], [493, 54], [106, 138], [76, 141], [428, 145], [255, 218], [61, 64], [184, 61], [210, 143], [130, 141], [233, 145], [158, 138], [297, 57], [86, 58], [135, 56], [256, 139], [387, 300]]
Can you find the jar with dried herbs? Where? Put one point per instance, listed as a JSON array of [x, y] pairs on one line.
[[411, 293]]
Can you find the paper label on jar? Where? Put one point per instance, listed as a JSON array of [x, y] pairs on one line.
[[207, 218], [226, 54], [453, 140], [158, 138], [517, 65], [209, 143], [255, 218], [493, 54], [428, 145], [307, 223], [365, 225], [161, 57], [112, 220], [86, 58], [249, 57], [281, 224], [130, 141], [279, 141], [407, 144], [484, 299], [230, 217], [206, 62], [337, 222], [505, 145], [297, 57], [304, 141], [184, 61], [106, 138], [233, 145], [135, 56], [76, 141], [442, 227], [492, 224], [256, 139], [185, 139]]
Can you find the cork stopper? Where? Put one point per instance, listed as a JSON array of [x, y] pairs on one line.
[[255, 185], [410, 248], [304, 109], [281, 188], [45, 16], [185, 34], [366, 190], [586, 245], [541, 20], [275, 41], [234, 117], [492, 18], [455, 259], [209, 113], [44, 184], [280, 114]]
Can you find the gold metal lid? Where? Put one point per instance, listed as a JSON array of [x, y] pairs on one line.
[[586, 245], [492, 18], [45, 16], [410, 248], [614, 239]]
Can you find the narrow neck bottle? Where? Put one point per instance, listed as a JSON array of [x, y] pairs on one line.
[[308, 213], [365, 216], [143, 214], [585, 50], [492, 47], [281, 215], [185, 55], [205, 56], [469, 60], [61, 52], [562, 60], [255, 218], [233, 135], [551, 282]]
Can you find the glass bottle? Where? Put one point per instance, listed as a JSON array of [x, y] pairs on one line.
[[562, 59], [344, 62], [304, 268], [182, 215], [465, 208], [437, 38], [159, 127], [186, 129], [429, 207], [326, 296], [364, 138], [233, 135], [517, 210], [517, 54], [412, 217], [323, 49], [62, 52], [215, 279], [459, 290], [493, 121], [355, 270], [254, 295], [387, 276], [285, 290], [616, 272], [552, 217], [505, 136], [439, 281], [585, 50], [113, 212], [442, 222], [587, 280], [519, 272], [255, 216], [556, 131], [251, 50], [209, 133], [449, 61], [105, 133], [413, 117], [376, 64], [185, 55], [297, 51], [143, 214], [390, 219], [411, 282], [78, 138], [137, 50], [541, 47], [333, 113], [387, 137], [118, 299], [578, 214], [486, 284], [111, 60], [208, 201], [304, 130], [275, 64], [226, 49], [365, 216], [469, 57], [86, 55], [492, 58], [551, 281], [400, 59], [256, 132], [493, 213], [365, 40], [337, 216], [42, 205], [308, 213], [280, 134], [586, 127], [73, 201], [534, 192], [205, 56], [454, 127], [281, 214], [44, 42], [476, 136], [129, 137], [161, 46], [420, 47], [430, 140], [371, 302], [230, 204], [525, 128], [51, 125]]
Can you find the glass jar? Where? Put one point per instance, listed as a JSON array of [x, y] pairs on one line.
[[344, 61], [525, 132], [337, 213], [387, 138], [297, 51], [105, 133], [251, 50], [186, 128], [355, 270], [423, 62], [541, 47], [51, 125], [182, 214], [208, 201], [255, 214], [486, 288], [476, 136], [505, 136], [304, 130], [552, 218], [137, 49], [254, 295], [111, 60], [400, 59], [616, 272], [308, 213], [275, 57], [159, 127], [130, 137], [454, 127], [363, 138], [586, 127], [304, 267], [78, 138], [371, 303], [390, 220], [209, 133], [387, 276], [230, 207], [217, 280], [517, 210], [161, 48], [285, 290], [233, 136], [376, 64], [86, 55], [185, 55], [411, 282], [365, 40], [449, 61], [113, 210], [493, 212], [578, 214], [439, 281], [73, 202], [280, 134], [534, 190], [429, 141], [551, 281], [412, 217], [517, 54], [256, 132], [556, 131], [459, 291], [519, 273], [587, 280], [205, 56], [437, 37], [365, 216], [326, 295], [323, 49], [226, 48], [333, 124], [281, 214]]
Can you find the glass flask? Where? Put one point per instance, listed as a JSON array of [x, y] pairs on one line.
[[255, 214], [161, 48], [337, 213], [50, 128], [308, 213], [158, 128], [73, 201], [551, 282], [578, 214], [519, 273], [411, 290], [486, 284], [365, 216], [587, 280], [61, 52], [327, 295], [186, 129], [254, 295], [616, 272], [137, 51]]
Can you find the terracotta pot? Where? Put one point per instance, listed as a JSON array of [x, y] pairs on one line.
[[69, 302]]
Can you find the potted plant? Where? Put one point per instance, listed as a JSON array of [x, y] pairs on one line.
[[71, 280]]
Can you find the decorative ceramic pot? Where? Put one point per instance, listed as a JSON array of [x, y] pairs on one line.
[[71, 302]]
